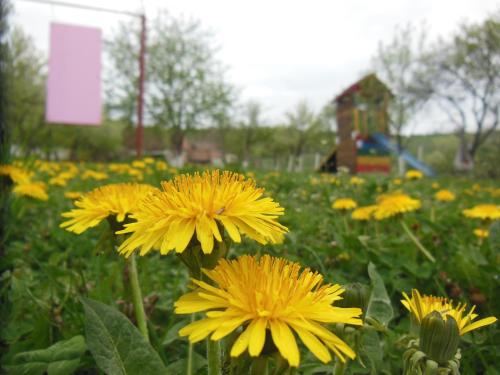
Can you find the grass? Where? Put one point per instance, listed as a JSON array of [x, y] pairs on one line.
[[45, 270]]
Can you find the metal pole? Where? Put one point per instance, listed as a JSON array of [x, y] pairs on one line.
[[139, 133], [83, 6]]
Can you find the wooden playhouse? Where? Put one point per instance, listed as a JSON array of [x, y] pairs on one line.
[[361, 115]]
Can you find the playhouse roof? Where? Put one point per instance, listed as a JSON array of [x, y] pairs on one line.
[[371, 79]]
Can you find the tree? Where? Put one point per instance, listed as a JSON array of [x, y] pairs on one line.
[[302, 123], [397, 63], [4, 143], [185, 83], [121, 81], [25, 102], [463, 76], [249, 126]]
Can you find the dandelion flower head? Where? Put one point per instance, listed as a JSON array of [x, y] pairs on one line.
[[444, 195], [481, 233], [36, 190], [344, 204], [390, 205], [483, 211], [117, 200], [421, 305], [18, 175], [203, 204], [268, 296], [363, 213], [414, 174], [356, 181]]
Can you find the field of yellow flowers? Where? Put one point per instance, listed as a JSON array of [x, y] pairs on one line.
[[140, 268]]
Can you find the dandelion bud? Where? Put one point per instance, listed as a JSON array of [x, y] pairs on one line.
[[439, 337], [355, 295]]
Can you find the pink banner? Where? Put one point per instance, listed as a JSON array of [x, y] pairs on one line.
[[74, 82]]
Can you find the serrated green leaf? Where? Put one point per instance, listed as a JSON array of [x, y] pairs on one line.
[[379, 306], [59, 359], [116, 344]]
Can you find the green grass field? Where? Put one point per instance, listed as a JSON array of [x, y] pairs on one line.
[[46, 270]]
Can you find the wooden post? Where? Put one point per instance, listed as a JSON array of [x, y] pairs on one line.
[[300, 164], [290, 163], [401, 165], [420, 152], [317, 160]]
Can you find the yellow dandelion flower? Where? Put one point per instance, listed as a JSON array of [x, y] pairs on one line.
[[356, 181], [161, 165], [344, 204], [98, 176], [268, 295], [119, 200], [420, 306], [118, 167], [413, 174], [483, 211], [314, 181], [202, 204], [17, 175], [58, 181], [73, 194], [138, 164], [390, 205], [444, 195], [495, 192], [36, 190], [397, 181], [481, 233], [148, 160], [137, 173], [363, 213]]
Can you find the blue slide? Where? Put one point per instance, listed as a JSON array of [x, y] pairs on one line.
[[409, 158]]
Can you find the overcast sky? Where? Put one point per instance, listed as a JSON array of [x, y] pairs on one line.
[[279, 52]]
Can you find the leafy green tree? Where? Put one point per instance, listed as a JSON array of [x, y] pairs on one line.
[[397, 62], [187, 87], [25, 101], [121, 79], [303, 124], [249, 126], [462, 76], [4, 149], [185, 83]]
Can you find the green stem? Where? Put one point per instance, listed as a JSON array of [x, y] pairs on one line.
[[417, 243], [339, 367], [213, 355], [346, 225], [140, 315], [433, 214], [259, 366], [189, 368]]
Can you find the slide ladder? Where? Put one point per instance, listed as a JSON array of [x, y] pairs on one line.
[[409, 158]]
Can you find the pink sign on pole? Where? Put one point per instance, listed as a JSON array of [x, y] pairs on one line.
[[74, 82]]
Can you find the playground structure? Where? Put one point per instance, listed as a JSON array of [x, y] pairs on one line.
[[363, 143]]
